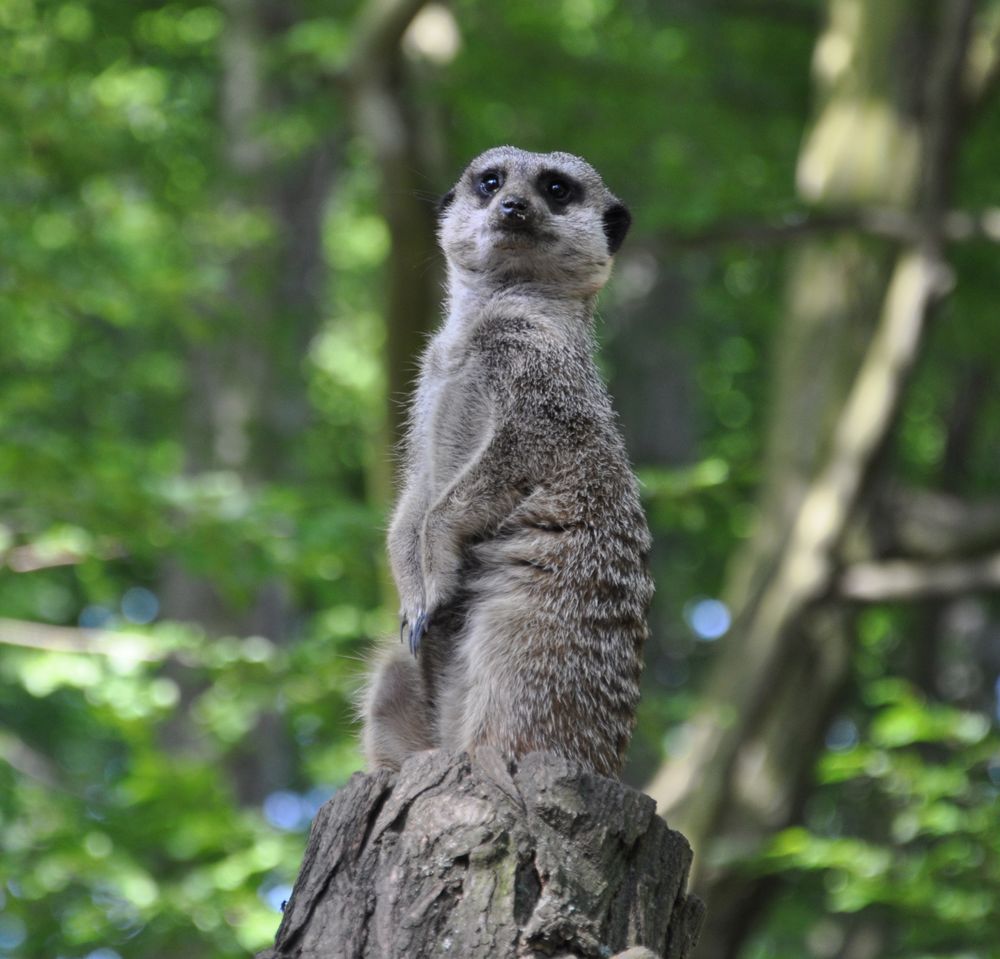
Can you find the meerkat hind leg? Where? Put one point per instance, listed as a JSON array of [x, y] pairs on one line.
[[512, 692], [397, 720]]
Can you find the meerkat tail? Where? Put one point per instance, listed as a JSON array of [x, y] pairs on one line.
[[396, 717]]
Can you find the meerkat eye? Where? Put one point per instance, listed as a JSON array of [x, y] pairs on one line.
[[559, 190], [490, 182]]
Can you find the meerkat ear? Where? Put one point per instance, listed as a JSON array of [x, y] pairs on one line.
[[617, 220], [445, 202]]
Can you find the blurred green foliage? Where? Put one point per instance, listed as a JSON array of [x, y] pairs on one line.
[[122, 832], [905, 825]]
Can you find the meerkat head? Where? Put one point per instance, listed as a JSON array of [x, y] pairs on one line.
[[546, 218]]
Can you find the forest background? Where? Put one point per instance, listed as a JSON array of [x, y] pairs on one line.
[[217, 264]]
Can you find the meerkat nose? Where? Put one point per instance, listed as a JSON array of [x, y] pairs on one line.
[[514, 207]]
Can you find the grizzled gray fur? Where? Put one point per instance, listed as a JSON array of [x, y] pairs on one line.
[[518, 544]]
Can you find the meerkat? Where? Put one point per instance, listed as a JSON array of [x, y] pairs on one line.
[[518, 544]]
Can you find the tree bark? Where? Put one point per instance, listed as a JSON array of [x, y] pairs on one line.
[[479, 859]]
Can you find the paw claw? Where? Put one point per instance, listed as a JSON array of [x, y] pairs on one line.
[[417, 630]]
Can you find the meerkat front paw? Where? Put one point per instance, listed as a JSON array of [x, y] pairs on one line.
[[440, 568], [416, 627], [418, 603], [412, 620]]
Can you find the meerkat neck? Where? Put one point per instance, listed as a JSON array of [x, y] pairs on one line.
[[470, 298]]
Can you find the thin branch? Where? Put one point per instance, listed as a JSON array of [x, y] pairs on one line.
[[883, 223], [28, 762], [30, 559], [889, 580], [67, 639], [936, 526]]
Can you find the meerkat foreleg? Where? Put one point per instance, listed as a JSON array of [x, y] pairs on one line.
[[405, 556], [475, 503]]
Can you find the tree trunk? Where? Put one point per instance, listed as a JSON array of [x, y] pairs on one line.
[[471, 859], [383, 98], [881, 137]]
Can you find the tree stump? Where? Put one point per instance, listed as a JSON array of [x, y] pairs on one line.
[[477, 858]]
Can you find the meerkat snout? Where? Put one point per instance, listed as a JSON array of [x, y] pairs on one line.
[[516, 211]]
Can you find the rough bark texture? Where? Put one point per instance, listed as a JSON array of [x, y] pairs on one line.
[[471, 859]]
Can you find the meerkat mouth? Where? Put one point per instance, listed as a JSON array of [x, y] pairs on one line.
[[517, 235], [514, 225]]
